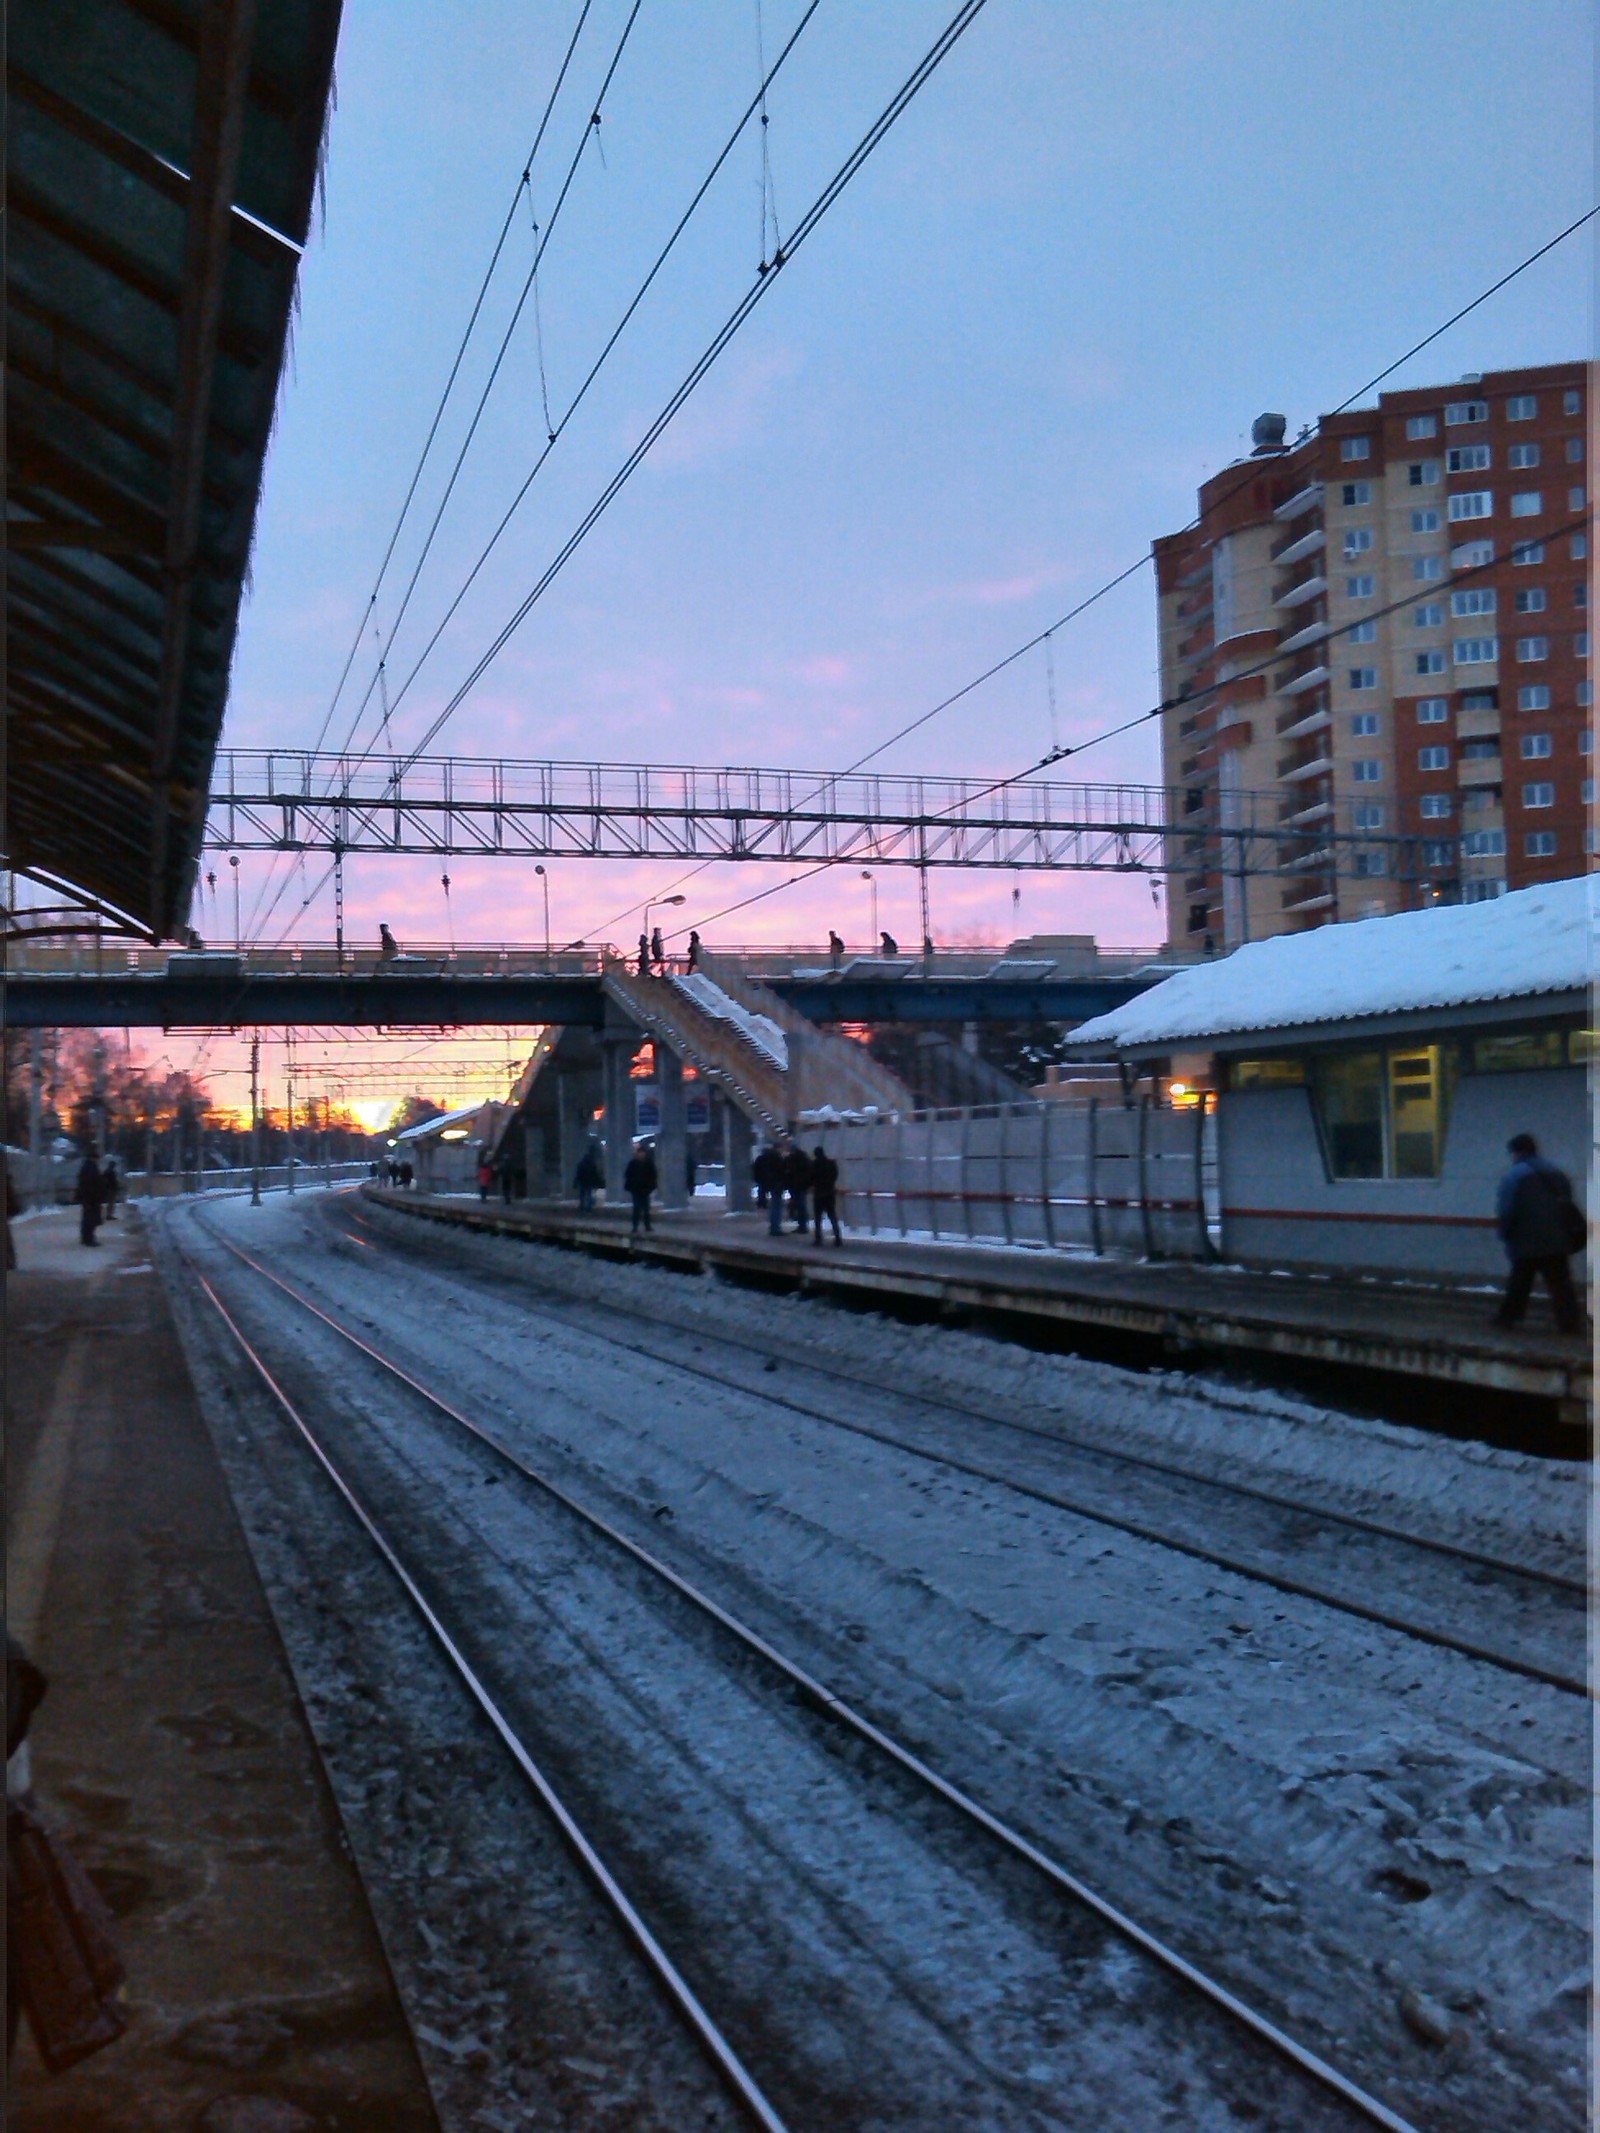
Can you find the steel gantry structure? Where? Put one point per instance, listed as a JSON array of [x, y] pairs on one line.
[[459, 807]]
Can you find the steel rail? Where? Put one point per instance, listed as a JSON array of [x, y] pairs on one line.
[[1352, 1521], [721, 2052], [1012, 1840], [1281, 1581]]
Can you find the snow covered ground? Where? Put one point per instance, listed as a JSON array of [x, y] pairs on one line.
[[1383, 1845]]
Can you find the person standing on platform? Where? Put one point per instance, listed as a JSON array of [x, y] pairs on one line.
[[89, 1196], [797, 1178], [825, 1192], [639, 1181], [588, 1178], [110, 1188], [766, 1175], [1541, 1226], [485, 1175]]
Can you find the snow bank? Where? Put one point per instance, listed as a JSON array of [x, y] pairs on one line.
[[761, 1030], [1534, 941]]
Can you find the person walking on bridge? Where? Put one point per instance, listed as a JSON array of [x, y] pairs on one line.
[[90, 1197], [644, 955], [824, 1192], [1541, 1226], [639, 1181], [692, 960], [388, 946], [835, 951]]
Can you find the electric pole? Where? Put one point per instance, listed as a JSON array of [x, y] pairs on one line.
[[36, 1192], [255, 1121]]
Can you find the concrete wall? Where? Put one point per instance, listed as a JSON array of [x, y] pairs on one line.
[[1280, 1207]]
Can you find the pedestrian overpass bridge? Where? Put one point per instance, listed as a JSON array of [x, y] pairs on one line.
[[93, 983]]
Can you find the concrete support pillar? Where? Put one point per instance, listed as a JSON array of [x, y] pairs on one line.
[[736, 1158], [572, 1115], [797, 1078], [617, 1053], [672, 1143]]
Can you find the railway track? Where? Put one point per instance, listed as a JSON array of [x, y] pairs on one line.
[[1513, 1608], [1260, 2060]]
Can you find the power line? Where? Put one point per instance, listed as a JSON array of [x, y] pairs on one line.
[[914, 83]]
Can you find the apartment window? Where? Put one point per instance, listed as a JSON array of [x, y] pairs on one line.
[[1433, 759], [1356, 492], [1580, 596], [1479, 700], [1362, 587], [1460, 411], [1382, 1113], [1525, 552], [1522, 407], [1357, 540], [1476, 600], [1430, 662], [1580, 644], [1423, 473], [1364, 722], [1572, 401], [1540, 844], [1481, 749], [1535, 747], [1424, 521], [1527, 503], [1432, 710], [1483, 844], [1472, 555], [1580, 547], [1363, 677], [1435, 806], [1574, 499], [1355, 448], [1369, 815], [1532, 649], [1586, 792], [1574, 451], [1427, 567], [1483, 892], [1535, 696], [1429, 615], [1467, 458], [1585, 694], [1362, 633], [1366, 770], [1437, 854], [1422, 426], [1531, 600], [1586, 741], [1540, 795], [1523, 455], [1591, 842], [1477, 651], [1369, 863], [1472, 503]]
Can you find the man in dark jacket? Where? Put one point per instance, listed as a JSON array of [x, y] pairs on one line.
[[1540, 1226], [766, 1174], [639, 1181], [89, 1196], [825, 1192], [110, 1187], [588, 1177], [797, 1182]]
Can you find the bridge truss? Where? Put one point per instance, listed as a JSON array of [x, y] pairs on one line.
[[461, 807]]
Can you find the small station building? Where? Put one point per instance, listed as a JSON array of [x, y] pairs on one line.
[[1369, 1075]]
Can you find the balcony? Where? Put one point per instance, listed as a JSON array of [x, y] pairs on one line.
[[1478, 725], [1307, 678], [1480, 771], [1316, 861], [1295, 725], [1301, 818], [1294, 900], [1307, 589], [1297, 550], [1296, 769], [1302, 501], [1313, 633]]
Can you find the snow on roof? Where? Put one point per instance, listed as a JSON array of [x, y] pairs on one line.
[[431, 1126], [1453, 955]]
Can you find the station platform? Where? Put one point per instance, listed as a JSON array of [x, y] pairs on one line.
[[1430, 1354], [171, 1749]]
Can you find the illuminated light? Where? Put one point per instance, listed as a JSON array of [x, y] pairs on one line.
[[1178, 1088], [454, 1133]]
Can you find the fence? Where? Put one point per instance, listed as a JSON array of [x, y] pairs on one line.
[[1102, 1177], [53, 1180]]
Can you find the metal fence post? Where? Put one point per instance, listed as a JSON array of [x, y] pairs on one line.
[[1044, 1175], [1093, 1155], [1145, 1226], [1003, 1166]]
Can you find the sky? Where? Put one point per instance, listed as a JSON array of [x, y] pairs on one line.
[[1099, 242]]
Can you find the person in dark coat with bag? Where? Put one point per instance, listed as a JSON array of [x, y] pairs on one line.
[[1541, 1226], [797, 1182], [639, 1181], [824, 1193], [90, 1197], [588, 1178]]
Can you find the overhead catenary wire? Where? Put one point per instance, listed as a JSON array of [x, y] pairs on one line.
[[895, 108]]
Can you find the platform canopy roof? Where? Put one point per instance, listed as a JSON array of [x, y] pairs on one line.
[[1534, 947], [162, 157]]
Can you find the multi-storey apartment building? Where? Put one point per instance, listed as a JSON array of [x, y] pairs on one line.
[[1375, 644]]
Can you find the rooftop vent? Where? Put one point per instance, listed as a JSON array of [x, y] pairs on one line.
[[1266, 435]]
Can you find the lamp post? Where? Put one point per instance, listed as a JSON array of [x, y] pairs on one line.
[[868, 877], [233, 861], [660, 903], [545, 883]]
